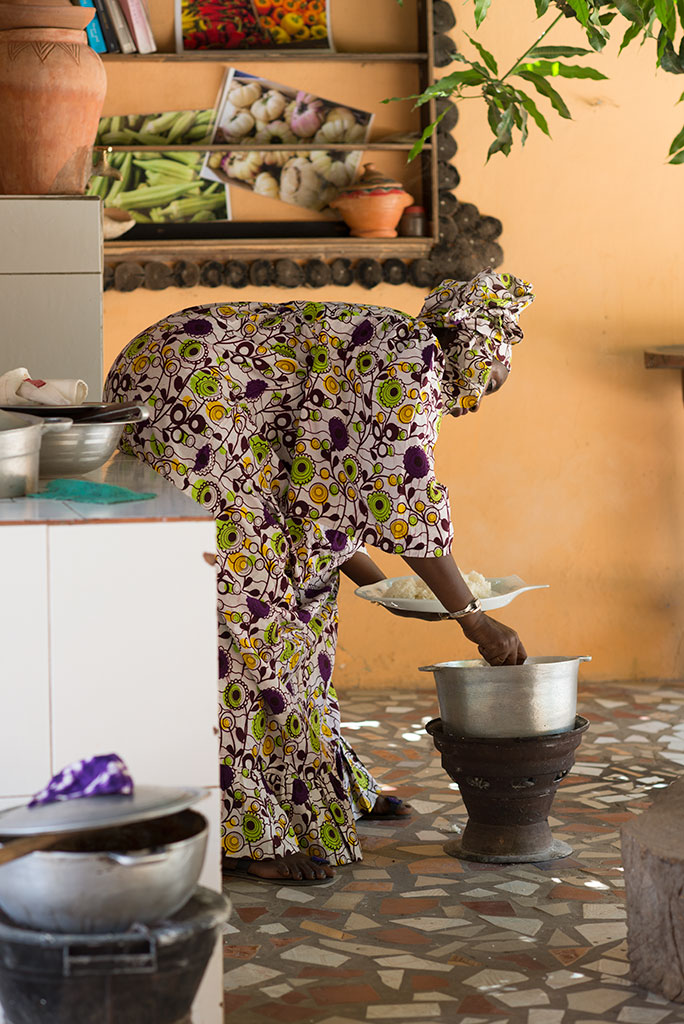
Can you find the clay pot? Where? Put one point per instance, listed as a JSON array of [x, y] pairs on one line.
[[373, 205], [52, 86], [43, 14]]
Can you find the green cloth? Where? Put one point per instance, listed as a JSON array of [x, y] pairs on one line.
[[86, 490]]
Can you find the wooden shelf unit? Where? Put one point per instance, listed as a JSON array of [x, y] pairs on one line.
[[319, 260]]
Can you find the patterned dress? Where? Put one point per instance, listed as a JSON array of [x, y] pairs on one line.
[[308, 430]]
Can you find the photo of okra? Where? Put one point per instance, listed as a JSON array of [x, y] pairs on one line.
[[160, 186], [171, 127]]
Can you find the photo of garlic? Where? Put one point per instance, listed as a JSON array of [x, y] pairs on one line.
[[254, 111]]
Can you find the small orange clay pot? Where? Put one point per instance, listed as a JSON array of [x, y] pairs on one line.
[[373, 205], [52, 86]]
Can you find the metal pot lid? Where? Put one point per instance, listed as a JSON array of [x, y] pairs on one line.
[[93, 812]]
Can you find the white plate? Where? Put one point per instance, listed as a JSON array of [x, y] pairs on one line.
[[504, 590]]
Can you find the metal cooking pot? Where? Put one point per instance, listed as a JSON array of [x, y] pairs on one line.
[[21, 439], [533, 699], [86, 445], [109, 879]]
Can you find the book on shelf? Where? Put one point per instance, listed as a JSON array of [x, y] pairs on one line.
[[123, 34], [139, 25], [110, 36], [96, 39]]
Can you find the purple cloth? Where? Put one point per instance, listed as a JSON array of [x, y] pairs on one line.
[[102, 775]]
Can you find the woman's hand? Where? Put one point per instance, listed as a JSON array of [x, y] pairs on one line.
[[498, 644]]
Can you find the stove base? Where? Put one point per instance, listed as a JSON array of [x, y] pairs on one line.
[[555, 851]]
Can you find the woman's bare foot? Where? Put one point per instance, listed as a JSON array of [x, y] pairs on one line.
[[388, 807], [295, 867]]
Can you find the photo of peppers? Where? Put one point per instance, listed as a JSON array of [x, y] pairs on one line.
[[160, 186], [251, 24]]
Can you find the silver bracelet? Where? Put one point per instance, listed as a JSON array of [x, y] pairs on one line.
[[474, 606]]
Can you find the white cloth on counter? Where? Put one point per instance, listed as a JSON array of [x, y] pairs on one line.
[[18, 388]]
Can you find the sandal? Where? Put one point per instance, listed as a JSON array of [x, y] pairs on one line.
[[391, 814], [241, 865]]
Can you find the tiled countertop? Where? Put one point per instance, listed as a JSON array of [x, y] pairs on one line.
[[169, 504]]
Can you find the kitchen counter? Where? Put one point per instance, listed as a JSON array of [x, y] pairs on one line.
[[170, 504], [108, 643]]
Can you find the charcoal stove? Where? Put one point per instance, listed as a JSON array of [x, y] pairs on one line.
[[508, 786]]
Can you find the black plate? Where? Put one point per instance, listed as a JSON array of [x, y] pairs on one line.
[[88, 411]]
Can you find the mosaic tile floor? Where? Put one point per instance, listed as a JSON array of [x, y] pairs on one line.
[[413, 935]]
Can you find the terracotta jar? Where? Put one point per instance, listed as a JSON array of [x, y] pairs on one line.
[[52, 87], [372, 205]]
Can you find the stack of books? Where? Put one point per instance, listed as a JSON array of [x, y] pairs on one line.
[[119, 26]]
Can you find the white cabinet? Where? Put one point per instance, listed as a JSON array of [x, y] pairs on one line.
[[25, 761], [108, 634], [132, 642]]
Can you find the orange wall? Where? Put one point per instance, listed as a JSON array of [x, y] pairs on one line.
[[573, 475]]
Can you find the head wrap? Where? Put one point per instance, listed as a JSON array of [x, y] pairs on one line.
[[483, 314]]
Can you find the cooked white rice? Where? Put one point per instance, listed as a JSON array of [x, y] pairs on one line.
[[412, 588]]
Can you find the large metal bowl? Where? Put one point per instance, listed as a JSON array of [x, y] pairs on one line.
[[85, 446], [82, 448], [534, 699], [109, 879]]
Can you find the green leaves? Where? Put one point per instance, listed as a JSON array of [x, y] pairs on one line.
[[546, 89], [485, 54], [631, 33], [427, 133], [554, 69], [509, 108], [630, 9], [530, 106], [481, 8], [665, 12], [504, 134], [677, 142], [551, 52], [581, 10]]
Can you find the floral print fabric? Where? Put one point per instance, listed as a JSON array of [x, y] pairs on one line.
[[308, 430], [483, 317]]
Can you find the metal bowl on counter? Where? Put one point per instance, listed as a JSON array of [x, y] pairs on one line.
[[91, 438], [21, 440], [534, 699]]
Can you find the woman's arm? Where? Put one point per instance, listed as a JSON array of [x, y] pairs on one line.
[[362, 570], [498, 644]]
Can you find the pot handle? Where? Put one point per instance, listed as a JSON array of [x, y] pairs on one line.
[[584, 657], [128, 859], [428, 668], [56, 425]]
